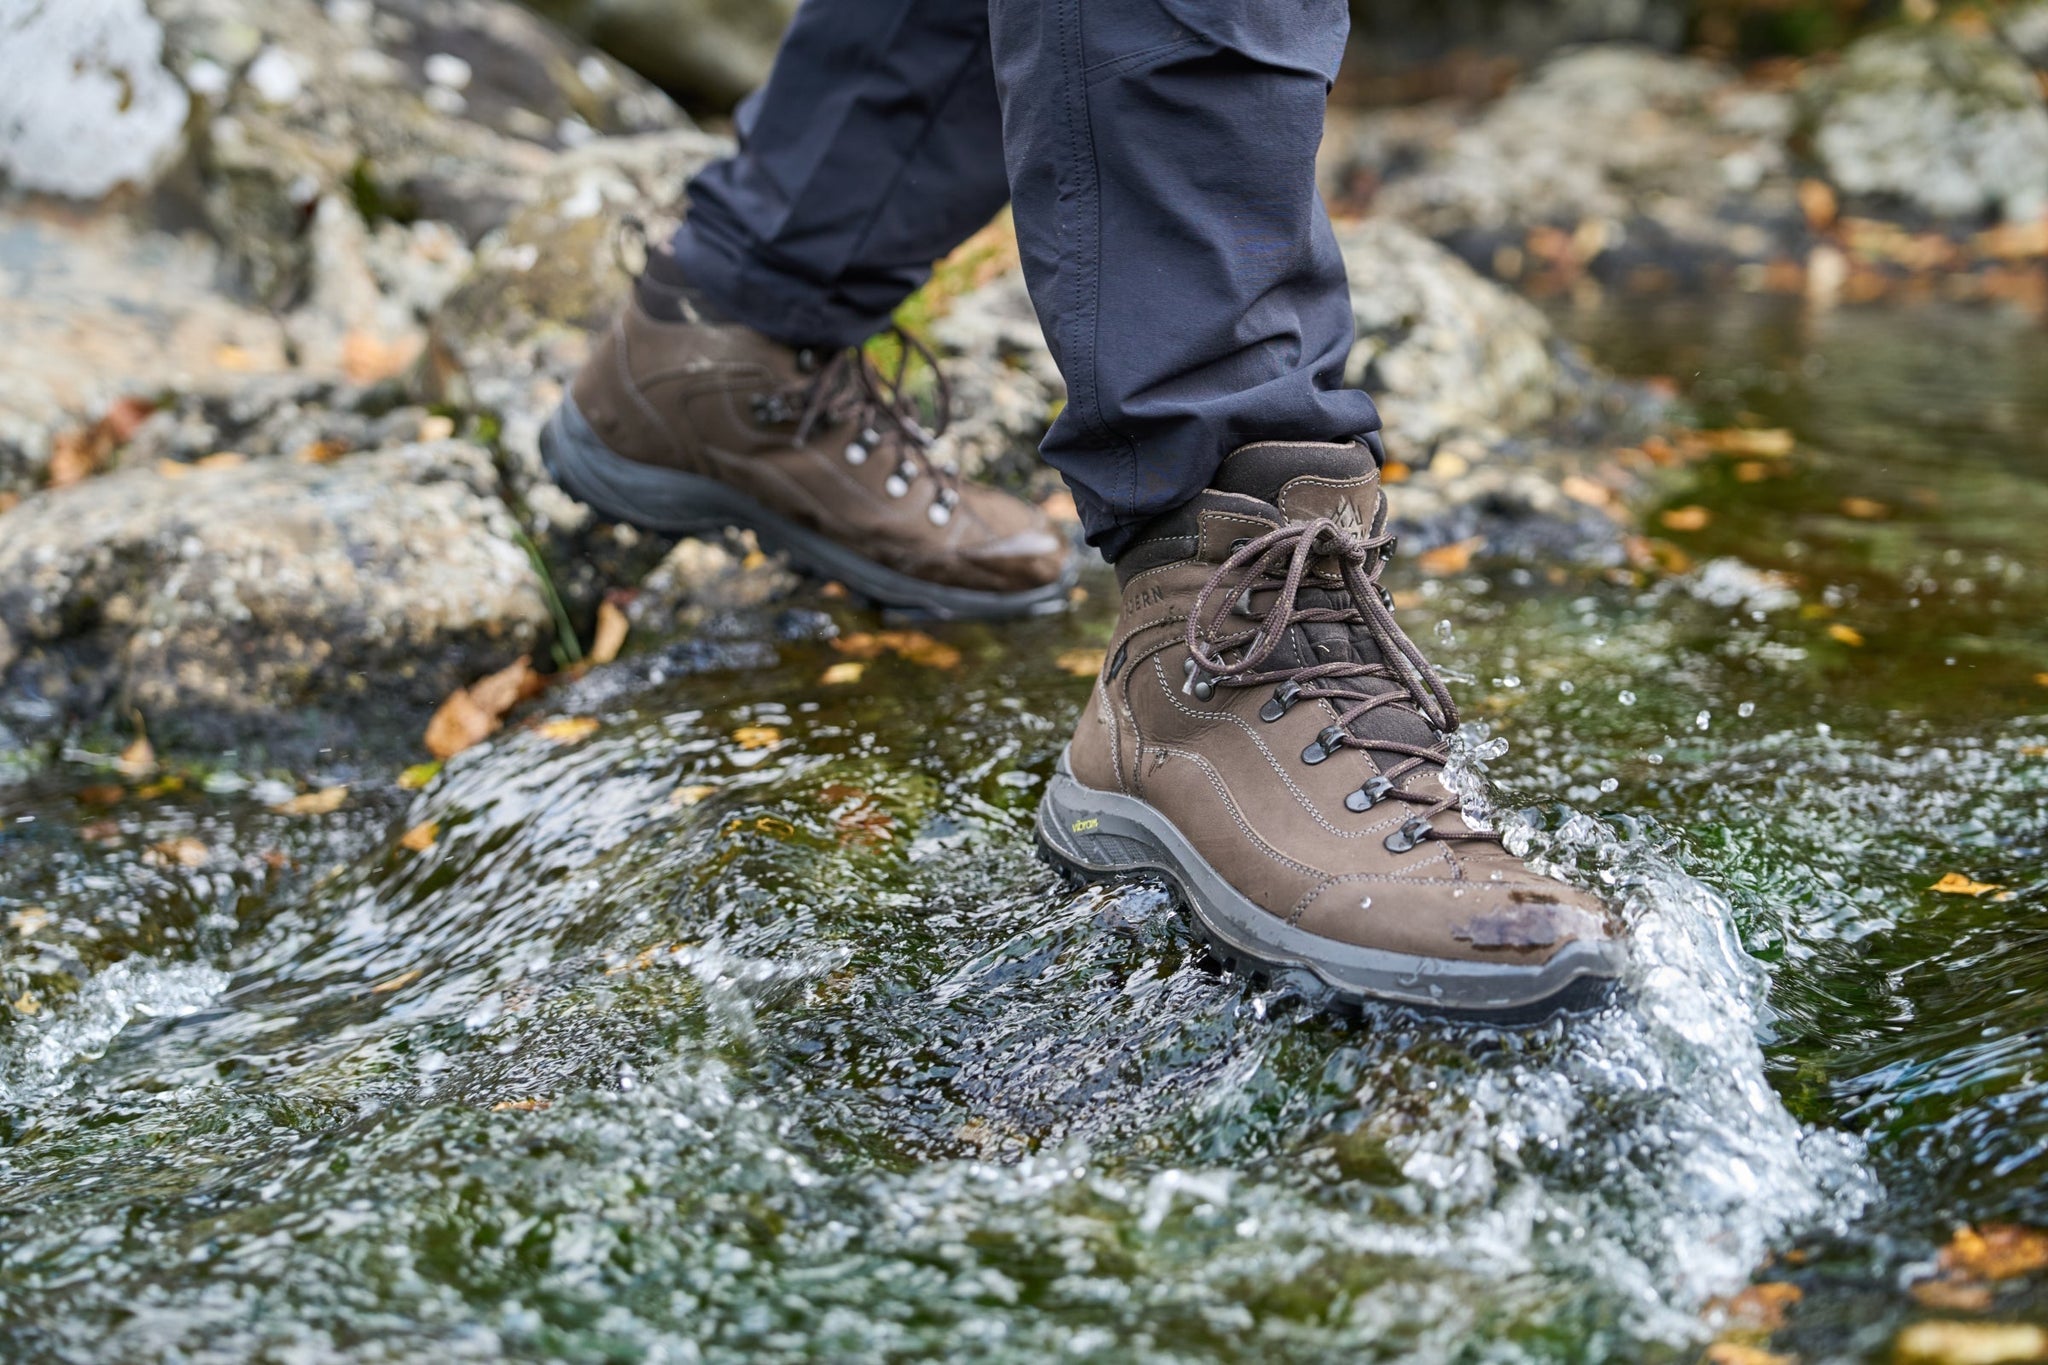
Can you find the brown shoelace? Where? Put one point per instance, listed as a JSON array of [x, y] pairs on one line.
[[1253, 567]]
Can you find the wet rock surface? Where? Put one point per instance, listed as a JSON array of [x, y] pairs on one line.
[[281, 597]]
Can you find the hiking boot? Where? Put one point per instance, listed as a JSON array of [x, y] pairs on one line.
[[684, 424], [1264, 734]]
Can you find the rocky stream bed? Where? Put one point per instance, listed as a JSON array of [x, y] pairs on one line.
[[706, 1001]]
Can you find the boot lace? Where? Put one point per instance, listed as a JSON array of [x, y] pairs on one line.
[[1256, 565], [851, 389]]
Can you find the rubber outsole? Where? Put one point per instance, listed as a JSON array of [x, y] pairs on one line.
[[675, 503], [1100, 836]]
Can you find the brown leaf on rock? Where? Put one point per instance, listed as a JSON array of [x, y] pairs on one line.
[[1455, 557], [1956, 884], [81, 452], [1817, 201], [1082, 663], [421, 837], [472, 714], [1694, 518], [610, 637], [1995, 1251], [1970, 1343], [367, 358], [324, 451], [326, 801]]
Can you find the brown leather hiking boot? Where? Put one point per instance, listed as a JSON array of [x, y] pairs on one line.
[[686, 425], [1264, 734]]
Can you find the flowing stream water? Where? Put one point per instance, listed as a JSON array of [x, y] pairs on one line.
[[667, 1048]]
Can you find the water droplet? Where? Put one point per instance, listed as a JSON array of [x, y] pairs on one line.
[[1746, 710], [1627, 698], [1608, 784], [1702, 720], [1567, 687], [1365, 902], [1443, 632]]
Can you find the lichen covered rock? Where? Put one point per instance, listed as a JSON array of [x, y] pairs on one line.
[[274, 602]]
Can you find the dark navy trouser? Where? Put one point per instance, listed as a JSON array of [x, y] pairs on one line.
[[1160, 157]]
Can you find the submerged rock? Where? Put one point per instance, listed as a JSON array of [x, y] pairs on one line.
[[278, 602], [1950, 123]]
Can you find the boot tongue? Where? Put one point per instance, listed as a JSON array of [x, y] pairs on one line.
[[1303, 482]]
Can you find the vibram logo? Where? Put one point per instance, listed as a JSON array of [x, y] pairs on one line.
[[1083, 826]]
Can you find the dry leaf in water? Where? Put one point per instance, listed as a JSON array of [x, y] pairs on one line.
[[1847, 635], [523, 1106], [1693, 518], [26, 922], [138, 759], [1772, 443], [1865, 509], [1082, 663], [184, 851], [28, 1004], [1735, 1353], [570, 729], [842, 673], [1956, 884], [1761, 1307], [690, 795], [421, 837], [1952, 1296], [326, 801], [399, 982], [914, 645], [756, 736], [1455, 557], [1995, 1251], [419, 775], [611, 633], [1970, 1343]]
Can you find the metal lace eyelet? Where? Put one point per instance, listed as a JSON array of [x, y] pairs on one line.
[[1328, 740], [856, 453], [807, 360], [1198, 685], [1244, 604], [941, 510], [1239, 543], [1284, 697], [1412, 833], [1387, 550], [1386, 599], [1371, 794], [898, 483], [870, 438]]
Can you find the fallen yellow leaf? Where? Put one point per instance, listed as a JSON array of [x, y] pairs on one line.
[[611, 633], [138, 759], [756, 736], [1395, 472], [2034, 751], [690, 795], [1693, 518], [1865, 509], [421, 837], [1455, 557], [1735, 1353], [1956, 884], [1970, 1343], [526, 1106], [914, 645], [419, 775], [1082, 663], [1579, 488], [28, 1004], [1996, 1251], [326, 801], [1769, 443], [1847, 635], [570, 729], [399, 982], [839, 674]]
